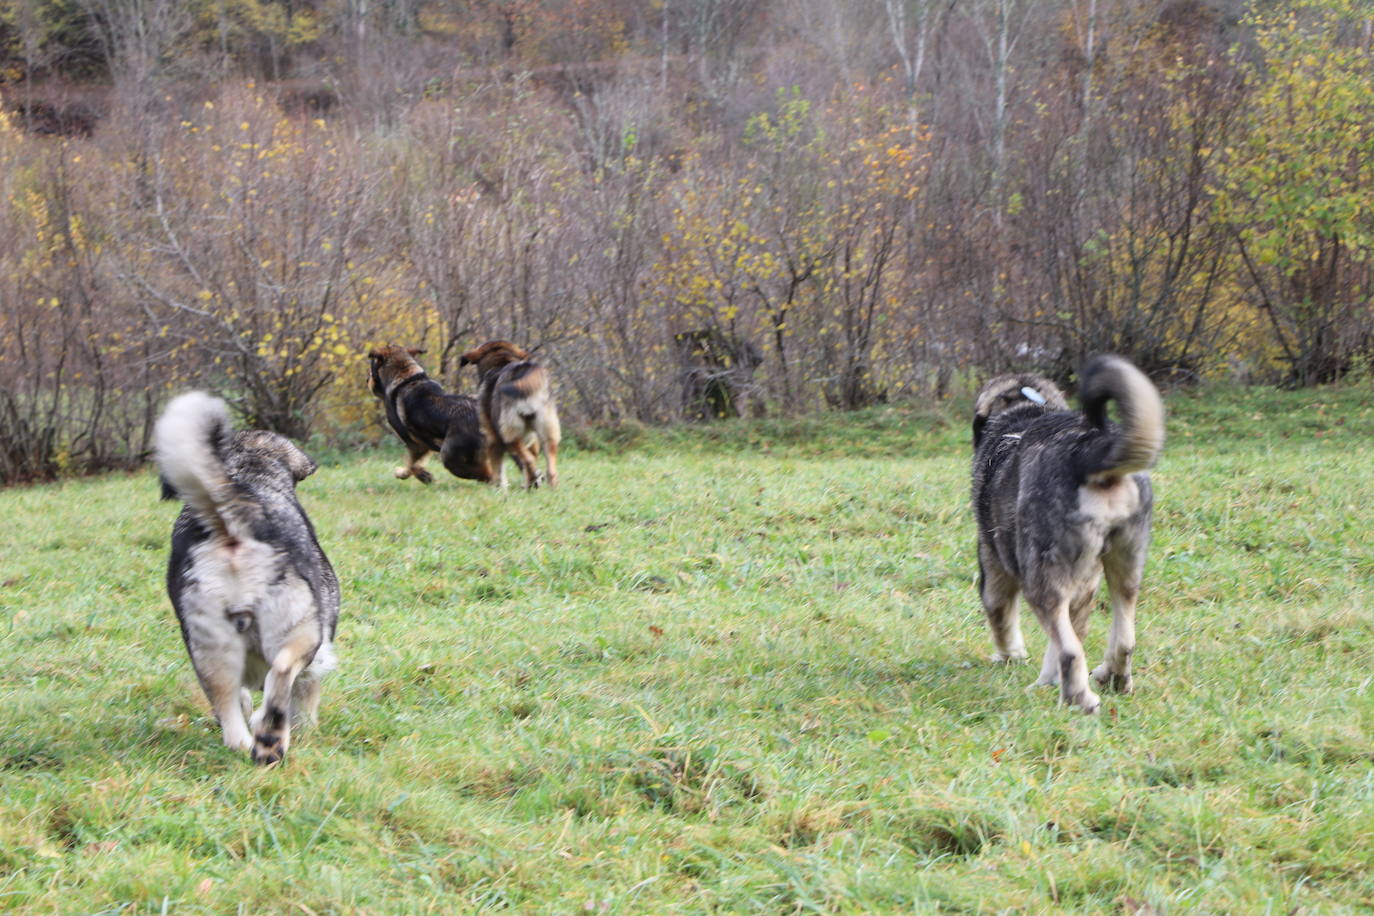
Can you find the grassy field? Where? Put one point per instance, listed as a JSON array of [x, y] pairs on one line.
[[734, 669]]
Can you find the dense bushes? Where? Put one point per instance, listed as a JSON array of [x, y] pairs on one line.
[[846, 214]]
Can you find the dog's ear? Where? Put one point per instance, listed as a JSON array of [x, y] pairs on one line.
[[375, 353], [297, 461], [979, 421], [415, 351]]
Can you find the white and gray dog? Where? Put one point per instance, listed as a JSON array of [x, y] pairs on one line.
[[255, 595], [1061, 497]]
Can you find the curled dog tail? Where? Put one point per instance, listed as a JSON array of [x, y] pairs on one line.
[[527, 386], [189, 444], [1140, 438], [524, 381]]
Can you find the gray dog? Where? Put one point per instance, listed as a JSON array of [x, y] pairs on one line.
[[1060, 498], [255, 595]]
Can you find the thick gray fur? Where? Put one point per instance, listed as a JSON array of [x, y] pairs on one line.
[[1061, 498], [257, 599]]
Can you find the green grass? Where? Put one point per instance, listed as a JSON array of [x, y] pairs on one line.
[[737, 668]]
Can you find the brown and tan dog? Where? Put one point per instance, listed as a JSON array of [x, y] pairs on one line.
[[429, 419], [517, 408]]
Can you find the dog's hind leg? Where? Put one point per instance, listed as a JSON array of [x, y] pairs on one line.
[[525, 459], [305, 692], [547, 428], [220, 670], [492, 455], [998, 590], [1080, 612], [1081, 609], [501, 481], [305, 699], [271, 724], [1067, 649], [1049, 667], [1123, 583]]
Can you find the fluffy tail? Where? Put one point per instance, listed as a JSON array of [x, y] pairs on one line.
[[1141, 435], [189, 443], [525, 381], [527, 387]]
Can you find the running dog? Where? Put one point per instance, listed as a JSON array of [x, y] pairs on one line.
[[256, 598], [1062, 497], [427, 418], [517, 409]]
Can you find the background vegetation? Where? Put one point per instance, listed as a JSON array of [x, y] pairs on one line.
[[693, 207], [738, 667]]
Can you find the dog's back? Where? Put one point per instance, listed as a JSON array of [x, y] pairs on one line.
[[238, 488], [1045, 445], [432, 414]]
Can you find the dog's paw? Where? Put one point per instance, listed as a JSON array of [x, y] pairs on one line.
[[401, 473], [269, 749], [1011, 655], [270, 736], [1085, 700], [423, 476], [238, 741], [1118, 683]]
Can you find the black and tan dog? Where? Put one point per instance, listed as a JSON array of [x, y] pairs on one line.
[[1060, 498], [427, 418], [518, 409], [255, 595]]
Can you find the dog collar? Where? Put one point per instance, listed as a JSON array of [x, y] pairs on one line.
[[404, 382]]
